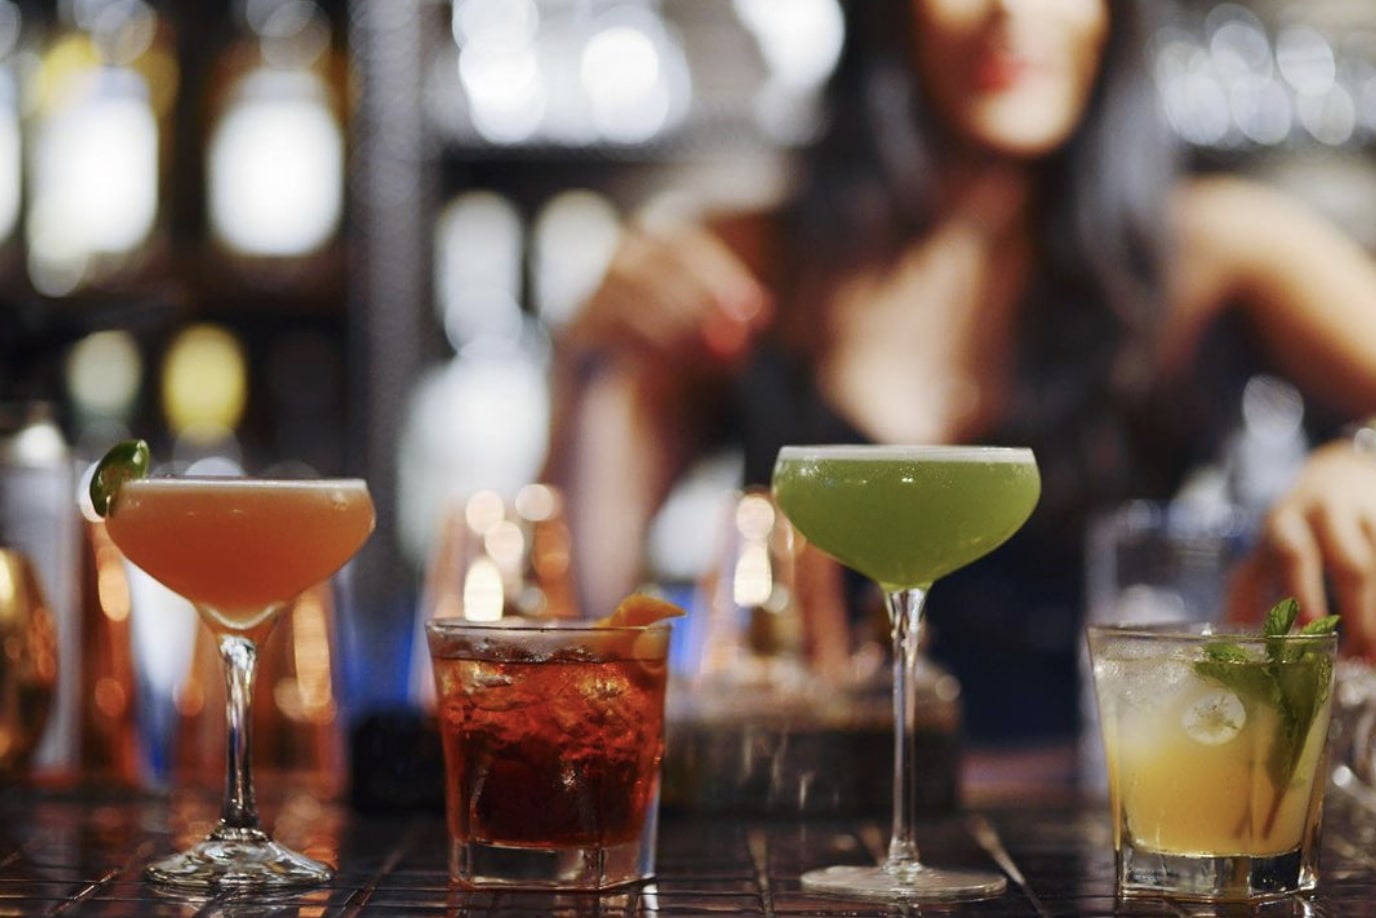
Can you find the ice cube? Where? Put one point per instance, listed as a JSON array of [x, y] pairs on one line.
[[1141, 681], [490, 687], [597, 699]]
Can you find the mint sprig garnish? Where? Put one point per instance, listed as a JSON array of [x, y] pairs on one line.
[[1294, 678]]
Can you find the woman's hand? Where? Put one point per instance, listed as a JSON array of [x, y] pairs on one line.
[[675, 294], [1320, 535]]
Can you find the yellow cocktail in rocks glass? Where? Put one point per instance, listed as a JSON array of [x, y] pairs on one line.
[[240, 550], [1215, 746]]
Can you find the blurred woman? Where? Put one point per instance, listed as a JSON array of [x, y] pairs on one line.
[[991, 243]]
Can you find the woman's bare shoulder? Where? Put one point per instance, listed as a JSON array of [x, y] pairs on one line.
[[1241, 243], [1223, 214], [1302, 281], [1241, 226], [1237, 237]]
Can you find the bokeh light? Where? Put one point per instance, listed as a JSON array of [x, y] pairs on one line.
[[276, 166], [204, 380], [104, 371], [573, 238]]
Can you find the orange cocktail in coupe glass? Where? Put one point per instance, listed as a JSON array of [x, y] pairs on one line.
[[240, 550]]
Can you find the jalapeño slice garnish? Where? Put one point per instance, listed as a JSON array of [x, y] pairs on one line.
[[125, 460]]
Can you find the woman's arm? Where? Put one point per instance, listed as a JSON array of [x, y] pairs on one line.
[[621, 437], [639, 375], [1310, 292], [1306, 287]]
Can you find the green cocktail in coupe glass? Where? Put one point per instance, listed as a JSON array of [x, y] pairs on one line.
[[905, 516]]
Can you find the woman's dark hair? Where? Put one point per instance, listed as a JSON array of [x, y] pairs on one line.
[[867, 183], [866, 188]]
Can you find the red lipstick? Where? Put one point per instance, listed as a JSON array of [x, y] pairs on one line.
[[996, 70]]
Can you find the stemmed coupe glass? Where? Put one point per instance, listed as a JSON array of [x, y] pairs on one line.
[[905, 516], [240, 550]]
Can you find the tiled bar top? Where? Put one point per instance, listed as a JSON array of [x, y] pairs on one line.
[[80, 850]]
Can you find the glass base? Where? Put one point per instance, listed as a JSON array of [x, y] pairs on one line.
[[479, 865], [238, 859], [1213, 878], [915, 882]]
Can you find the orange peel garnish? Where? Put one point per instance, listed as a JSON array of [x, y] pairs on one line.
[[638, 610]]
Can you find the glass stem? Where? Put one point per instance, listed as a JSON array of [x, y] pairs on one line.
[[240, 658], [905, 616]]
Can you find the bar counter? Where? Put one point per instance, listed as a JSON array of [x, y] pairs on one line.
[[79, 850]]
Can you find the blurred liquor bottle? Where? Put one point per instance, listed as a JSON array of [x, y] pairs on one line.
[[15, 32], [99, 147], [477, 420], [274, 150], [108, 731], [29, 665], [38, 517]]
